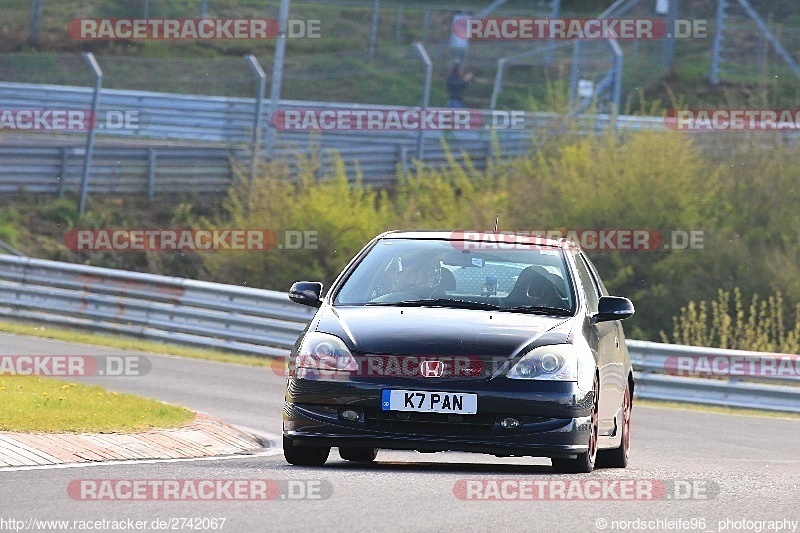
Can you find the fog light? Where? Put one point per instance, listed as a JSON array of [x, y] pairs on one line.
[[350, 415], [510, 423]]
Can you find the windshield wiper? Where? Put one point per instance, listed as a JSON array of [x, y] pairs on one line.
[[538, 309], [441, 302]]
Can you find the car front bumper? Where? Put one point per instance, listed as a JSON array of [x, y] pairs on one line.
[[555, 417]]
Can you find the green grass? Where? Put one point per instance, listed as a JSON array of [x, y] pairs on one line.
[[35, 404]]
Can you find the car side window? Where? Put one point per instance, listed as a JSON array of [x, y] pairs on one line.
[[587, 282], [596, 276]]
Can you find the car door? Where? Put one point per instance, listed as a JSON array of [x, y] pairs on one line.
[[608, 356], [620, 352]]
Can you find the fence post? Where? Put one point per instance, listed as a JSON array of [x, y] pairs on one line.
[[87, 156], [373, 34], [36, 19], [498, 82], [426, 24], [669, 42], [550, 45], [151, 174], [63, 175], [425, 97], [618, 67], [277, 74], [404, 159], [719, 35], [262, 83], [576, 70], [398, 27]]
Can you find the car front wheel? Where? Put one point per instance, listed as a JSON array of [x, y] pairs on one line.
[[304, 455], [359, 455]]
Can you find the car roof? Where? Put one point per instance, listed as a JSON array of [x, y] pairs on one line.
[[479, 236]]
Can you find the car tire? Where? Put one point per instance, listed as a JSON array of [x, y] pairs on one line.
[[358, 455], [584, 463], [618, 457], [304, 455]]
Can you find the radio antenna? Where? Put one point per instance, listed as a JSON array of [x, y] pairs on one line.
[[496, 221]]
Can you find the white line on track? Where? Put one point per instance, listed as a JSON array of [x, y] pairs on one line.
[[267, 452], [274, 449]]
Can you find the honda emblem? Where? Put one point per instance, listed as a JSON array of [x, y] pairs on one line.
[[431, 369]]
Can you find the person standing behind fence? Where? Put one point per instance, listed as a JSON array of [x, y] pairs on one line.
[[457, 85], [458, 31]]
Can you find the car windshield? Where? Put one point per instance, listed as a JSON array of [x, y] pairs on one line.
[[410, 272]]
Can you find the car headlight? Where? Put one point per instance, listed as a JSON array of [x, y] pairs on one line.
[[321, 351], [556, 362]]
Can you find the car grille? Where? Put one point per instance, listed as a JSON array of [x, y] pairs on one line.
[[429, 424]]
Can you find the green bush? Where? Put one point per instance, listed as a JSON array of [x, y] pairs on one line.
[[344, 217], [61, 211], [760, 327], [9, 226]]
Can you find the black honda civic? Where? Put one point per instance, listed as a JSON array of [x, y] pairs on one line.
[[497, 343]]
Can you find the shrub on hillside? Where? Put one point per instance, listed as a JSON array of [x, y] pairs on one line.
[[760, 327]]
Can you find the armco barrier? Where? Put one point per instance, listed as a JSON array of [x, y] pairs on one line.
[[153, 171], [229, 120], [266, 323], [658, 376], [51, 162], [213, 315]]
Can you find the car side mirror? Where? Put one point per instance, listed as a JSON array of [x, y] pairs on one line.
[[306, 293], [613, 308]]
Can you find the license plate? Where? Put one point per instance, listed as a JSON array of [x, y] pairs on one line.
[[429, 402]]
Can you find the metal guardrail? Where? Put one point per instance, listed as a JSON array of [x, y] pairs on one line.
[[771, 387], [166, 170], [196, 313], [116, 170], [35, 164], [266, 323], [229, 120]]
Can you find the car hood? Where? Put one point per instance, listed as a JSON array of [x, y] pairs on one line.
[[433, 331]]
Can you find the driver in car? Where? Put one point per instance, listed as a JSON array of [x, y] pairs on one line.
[[411, 277]]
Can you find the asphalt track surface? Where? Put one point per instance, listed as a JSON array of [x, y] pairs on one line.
[[711, 472]]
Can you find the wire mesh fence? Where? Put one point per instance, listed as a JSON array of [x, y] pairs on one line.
[[362, 54], [354, 30]]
